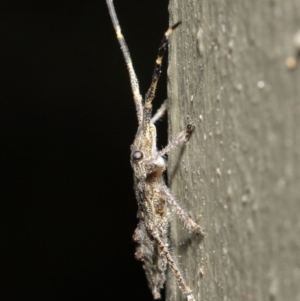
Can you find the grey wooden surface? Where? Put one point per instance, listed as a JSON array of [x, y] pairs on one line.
[[239, 177]]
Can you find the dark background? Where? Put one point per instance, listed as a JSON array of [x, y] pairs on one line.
[[67, 117]]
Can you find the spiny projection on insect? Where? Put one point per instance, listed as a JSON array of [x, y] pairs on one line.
[[154, 199]]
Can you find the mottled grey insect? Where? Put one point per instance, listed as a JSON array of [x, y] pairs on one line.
[[153, 196]]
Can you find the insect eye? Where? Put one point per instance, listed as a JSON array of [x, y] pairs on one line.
[[137, 155]]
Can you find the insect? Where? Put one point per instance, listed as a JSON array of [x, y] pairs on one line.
[[154, 199]]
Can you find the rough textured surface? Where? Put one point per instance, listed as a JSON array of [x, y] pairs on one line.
[[240, 174]]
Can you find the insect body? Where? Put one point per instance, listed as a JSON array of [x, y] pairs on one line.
[[153, 197]]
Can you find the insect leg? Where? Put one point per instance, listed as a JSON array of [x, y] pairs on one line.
[[188, 222], [183, 136], [133, 79], [181, 282], [160, 112]]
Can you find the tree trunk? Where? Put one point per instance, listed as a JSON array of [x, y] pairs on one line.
[[239, 176]]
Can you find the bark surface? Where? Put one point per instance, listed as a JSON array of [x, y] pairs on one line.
[[239, 177]]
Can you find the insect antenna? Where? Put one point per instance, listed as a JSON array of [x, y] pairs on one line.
[[156, 74], [133, 78]]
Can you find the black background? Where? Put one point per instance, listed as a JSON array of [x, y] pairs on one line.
[[67, 118]]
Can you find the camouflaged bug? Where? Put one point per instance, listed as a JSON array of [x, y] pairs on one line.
[[154, 199]]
